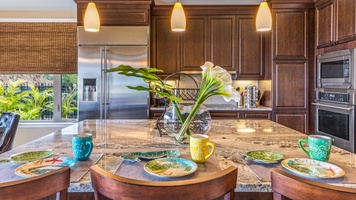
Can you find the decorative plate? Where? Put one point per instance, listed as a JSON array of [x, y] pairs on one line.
[[134, 157], [313, 168], [25, 157], [264, 156], [42, 166], [171, 167]]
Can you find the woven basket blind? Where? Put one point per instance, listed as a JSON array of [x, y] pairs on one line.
[[38, 48]]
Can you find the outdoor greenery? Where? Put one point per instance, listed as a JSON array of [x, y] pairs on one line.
[[32, 103]]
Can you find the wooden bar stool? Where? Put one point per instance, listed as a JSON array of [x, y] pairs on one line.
[[55, 182], [109, 185], [297, 188]]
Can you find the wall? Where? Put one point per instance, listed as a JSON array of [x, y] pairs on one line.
[[27, 132]]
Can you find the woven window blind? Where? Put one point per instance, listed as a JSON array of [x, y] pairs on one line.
[[38, 48]]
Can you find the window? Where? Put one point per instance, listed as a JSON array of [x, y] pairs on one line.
[[40, 97]]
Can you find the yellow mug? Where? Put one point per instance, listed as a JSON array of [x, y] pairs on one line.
[[199, 148]]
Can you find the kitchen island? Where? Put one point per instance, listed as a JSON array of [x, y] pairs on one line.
[[232, 138]]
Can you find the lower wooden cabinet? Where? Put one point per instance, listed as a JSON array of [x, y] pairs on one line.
[[226, 114], [294, 119]]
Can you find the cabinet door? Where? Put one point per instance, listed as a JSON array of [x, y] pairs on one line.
[[293, 119], [255, 115], [223, 114], [324, 25], [290, 34], [222, 42], [194, 44], [290, 85], [249, 49], [346, 20], [165, 46]]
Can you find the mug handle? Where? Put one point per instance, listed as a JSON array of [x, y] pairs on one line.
[[212, 149], [300, 141], [91, 148]]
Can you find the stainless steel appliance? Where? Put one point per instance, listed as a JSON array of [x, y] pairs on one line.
[[335, 117], [250, 96], [105, 95], [336, 69]]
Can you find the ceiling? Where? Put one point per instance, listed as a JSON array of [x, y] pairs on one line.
[[65, 10]]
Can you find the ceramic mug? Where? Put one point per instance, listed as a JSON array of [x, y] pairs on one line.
[[82, 145], [319, 147], [199, 148]]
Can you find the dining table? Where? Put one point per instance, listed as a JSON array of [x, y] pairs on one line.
[[233, 138]]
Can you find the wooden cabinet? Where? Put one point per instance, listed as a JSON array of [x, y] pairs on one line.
[[164, 48], [227, 114], [222, 46], [255, 114], [224, 37], [194, 44], [297, 120], [335, 22], [117, 12], [250, 49], [290, 65]]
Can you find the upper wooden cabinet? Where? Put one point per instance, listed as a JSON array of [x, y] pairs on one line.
[[117, 12], [227, 37], [250, 49], [165, 46], [290, 34], [335, 22]]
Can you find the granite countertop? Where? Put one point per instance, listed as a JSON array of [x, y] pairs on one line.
[[225, 107], [116, 137]]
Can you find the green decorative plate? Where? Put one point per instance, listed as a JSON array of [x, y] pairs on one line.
[[25, 157], [171, 167], [42, 166], [264, 156], [312, 168], [135, 156]]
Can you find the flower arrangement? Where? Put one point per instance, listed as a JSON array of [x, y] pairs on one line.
[[215, 81]]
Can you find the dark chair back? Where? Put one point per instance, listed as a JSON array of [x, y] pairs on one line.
[[297, 188], [8, 126], [38, 187], [111, 186]]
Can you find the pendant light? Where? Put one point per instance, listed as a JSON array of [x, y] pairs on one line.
[[91, 18], [178, 18], [264, 17]]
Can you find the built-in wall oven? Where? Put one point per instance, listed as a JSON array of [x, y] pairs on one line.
[[335, 117]]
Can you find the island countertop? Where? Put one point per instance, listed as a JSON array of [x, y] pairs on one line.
[[232, 137]]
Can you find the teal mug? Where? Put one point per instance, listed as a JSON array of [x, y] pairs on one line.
[[82, 145], [319, 147]]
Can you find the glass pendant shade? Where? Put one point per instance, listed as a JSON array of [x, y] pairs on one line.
[[178, 20], [264, 18], [91, 18]]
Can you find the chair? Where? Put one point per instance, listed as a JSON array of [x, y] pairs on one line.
[[293, 187], [108, 185], [55, 182], [9, 122]]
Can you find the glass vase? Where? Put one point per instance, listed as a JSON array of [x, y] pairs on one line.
[[169, 123]]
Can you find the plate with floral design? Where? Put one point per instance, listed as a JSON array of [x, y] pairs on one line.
[[29, 156], [264, 156], [135, 156], [171, 167], [42, 166], [313, 168]]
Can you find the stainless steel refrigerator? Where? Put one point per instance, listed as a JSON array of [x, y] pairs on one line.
[[104, 95]]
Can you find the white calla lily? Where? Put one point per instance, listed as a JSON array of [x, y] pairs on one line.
[[230, 93], [207, 68]]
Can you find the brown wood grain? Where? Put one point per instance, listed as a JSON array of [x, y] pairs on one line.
[[287, 185]]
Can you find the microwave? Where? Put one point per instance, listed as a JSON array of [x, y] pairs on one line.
[[336, 70]]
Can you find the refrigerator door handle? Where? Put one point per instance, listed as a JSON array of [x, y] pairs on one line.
[[102, 77]]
